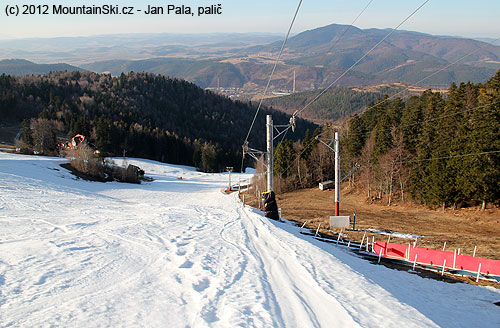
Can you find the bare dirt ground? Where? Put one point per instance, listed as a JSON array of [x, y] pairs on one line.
[[464, 228]]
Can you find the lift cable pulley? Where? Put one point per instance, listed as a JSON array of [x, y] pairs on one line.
[[284, 128], [254, 153]]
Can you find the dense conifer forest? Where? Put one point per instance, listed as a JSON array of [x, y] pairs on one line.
[[149, 116], [336, 103], [433, 149]]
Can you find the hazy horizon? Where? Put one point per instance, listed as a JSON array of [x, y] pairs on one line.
[[256, 33], [453, 18]]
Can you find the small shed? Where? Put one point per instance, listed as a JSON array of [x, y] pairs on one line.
[[325, 185]]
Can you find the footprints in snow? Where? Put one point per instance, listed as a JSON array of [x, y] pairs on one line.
[[186, 265], [83, 225], [71, 249], [182, 246], [201, 285], [187, 256], [43, 279]]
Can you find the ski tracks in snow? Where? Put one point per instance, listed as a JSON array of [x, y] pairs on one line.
[[309, 297], [174, 253]]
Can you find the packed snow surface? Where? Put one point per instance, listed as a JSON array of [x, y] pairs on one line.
[[178, 253]]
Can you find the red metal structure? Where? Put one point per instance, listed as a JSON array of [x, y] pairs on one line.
[[437, 258]]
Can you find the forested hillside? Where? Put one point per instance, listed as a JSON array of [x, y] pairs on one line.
[[431, 149], [149, 116], [336, 103]]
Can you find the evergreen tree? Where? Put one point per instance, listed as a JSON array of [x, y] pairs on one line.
[[485, 138], [410, 123], [283, 158], [455, 132], [356, 137], [383, 137], [423, 176]]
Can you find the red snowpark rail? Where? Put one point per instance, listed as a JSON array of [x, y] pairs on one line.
[[437, 258]]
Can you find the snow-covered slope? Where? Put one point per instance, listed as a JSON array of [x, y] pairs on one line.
[[178, 253]]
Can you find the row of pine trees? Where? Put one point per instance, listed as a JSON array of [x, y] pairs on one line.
[[435, 149]]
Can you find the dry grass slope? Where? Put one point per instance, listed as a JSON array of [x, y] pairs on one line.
[[462, 229]]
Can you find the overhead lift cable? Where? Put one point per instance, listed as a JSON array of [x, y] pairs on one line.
[[481, 107], [274, 68], [245, 143], [450, 115], [337, 40], [360, 59], [434, 158], [430, 75], [345, 31], [349, 69]]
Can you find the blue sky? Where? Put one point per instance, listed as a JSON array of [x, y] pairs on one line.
[[443, 17]]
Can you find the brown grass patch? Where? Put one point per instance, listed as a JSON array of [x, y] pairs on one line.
[[464, 228]]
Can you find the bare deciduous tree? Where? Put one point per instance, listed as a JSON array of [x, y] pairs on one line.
[[44, 137]]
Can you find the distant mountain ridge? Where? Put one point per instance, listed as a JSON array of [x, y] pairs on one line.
[[25, 67], [83, 50], [401, 58], [492, 41], [245, 61], [406, 57]]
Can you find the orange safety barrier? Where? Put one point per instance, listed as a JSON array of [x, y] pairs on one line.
[[437, 258]]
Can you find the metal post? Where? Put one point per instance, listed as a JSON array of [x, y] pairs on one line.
[[302, 226], [317, 230], [362, 240], [229, 169], [337, 174], [269, 137]]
